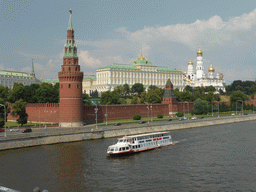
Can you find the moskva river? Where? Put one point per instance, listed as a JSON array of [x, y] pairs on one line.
[[216, 158]]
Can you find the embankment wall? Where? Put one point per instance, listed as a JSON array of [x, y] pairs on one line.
[[71, 137]]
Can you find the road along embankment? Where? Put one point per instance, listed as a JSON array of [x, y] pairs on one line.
[[58, 135]]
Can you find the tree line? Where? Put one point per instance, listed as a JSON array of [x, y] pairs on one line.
[[19, 95]]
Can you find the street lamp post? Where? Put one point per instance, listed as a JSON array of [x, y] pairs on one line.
[[107, 113], [183, 109], [236, 107], [151, 111], [96, 111], [4, 119], [148, 113]]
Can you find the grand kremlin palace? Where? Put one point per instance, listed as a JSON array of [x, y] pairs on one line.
[[140, 71]]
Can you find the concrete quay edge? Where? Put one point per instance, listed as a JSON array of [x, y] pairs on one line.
[[80, 136]]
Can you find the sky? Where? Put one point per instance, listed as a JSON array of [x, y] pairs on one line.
[[168, 33]]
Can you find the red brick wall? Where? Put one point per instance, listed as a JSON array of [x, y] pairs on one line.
[[116, 112], [51, 114]]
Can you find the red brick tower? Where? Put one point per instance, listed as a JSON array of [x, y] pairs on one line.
[[70, 78], [170, 99]]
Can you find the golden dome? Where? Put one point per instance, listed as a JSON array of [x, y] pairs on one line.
[[41, 78], [199, 52], [141, 57], [190, 63], [211, 69]]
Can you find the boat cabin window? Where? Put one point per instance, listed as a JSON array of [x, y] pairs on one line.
[[125, 141], [148, 140], [141, 141], [120, 141], [120, 149], [127, 148], [116, 149], [166, 137], [123, 148], [129, 140]]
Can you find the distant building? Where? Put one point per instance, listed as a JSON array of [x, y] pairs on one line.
[[140, 71], [200, 79], [8, 78]]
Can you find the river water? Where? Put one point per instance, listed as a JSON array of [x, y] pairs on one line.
[[216, 158]]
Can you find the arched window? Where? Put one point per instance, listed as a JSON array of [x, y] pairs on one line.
[[69, 85], [69, 68]]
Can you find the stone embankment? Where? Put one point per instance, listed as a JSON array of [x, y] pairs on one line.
[[62, 135]]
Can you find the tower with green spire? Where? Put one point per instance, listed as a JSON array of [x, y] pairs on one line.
[[32, 70], [70, 83]]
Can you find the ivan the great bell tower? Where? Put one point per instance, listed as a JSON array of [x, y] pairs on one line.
[[70, 87]]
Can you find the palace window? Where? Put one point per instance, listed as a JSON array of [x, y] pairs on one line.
[[69, 86]]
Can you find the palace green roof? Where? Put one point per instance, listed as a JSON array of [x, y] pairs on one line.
[[116, 66], [14, 73]]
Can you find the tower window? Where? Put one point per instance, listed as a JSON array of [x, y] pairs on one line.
[[69, 85], [69, 68], [77, 86]]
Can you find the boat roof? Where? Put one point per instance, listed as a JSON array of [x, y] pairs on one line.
[[132, 136]]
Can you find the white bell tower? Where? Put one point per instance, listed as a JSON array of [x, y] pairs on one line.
[[199, 66]]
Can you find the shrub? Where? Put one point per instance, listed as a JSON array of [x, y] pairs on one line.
[[137, 117], [179, 114], [160, 116]]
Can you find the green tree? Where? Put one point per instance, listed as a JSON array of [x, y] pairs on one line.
[[110, 97], [19, 110], [143, 97], [47, 93], [16, 93], [137, 88], [200, 106], [94, 94], [135, 100], [126, 89], [4, 92], [238, 95], [152, 87], [153, 97], [86, 100], [188, 88], [119, 89]]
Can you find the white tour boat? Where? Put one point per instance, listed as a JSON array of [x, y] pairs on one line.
[[138, 143]]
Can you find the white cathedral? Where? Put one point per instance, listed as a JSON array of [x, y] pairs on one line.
[[199, 78]]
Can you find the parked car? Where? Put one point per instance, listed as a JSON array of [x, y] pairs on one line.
[[15, 129], [1, 130], [201, 117], [193, 118], [142, 122], [169, 119], [233, 114], [117, 124], [27, 130], [183, 118], [245, 113]]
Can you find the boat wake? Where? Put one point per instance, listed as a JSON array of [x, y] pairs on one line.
[[176, 142]]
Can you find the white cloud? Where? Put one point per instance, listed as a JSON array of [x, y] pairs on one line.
[[88, 61]]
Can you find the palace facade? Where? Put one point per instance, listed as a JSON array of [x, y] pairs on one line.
[[140, 71], [198, 78], [8, 78]]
